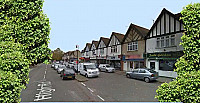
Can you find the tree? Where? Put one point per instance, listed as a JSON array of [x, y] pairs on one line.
[[186, 87], [57, 54], [24, 22]]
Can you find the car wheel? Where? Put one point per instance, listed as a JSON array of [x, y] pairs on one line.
[[86, 75], [128, 76], [147, 80], [63, 78]]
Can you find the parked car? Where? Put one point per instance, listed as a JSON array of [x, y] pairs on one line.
[[88, 69], [70, 65], [106, 68], [53, 64], [56, 66], [143, 73], [67, 73], [60, 68]]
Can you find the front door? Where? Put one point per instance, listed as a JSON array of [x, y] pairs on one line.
[[152, 65]]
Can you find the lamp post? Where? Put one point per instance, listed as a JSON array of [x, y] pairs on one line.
[[77, 47]]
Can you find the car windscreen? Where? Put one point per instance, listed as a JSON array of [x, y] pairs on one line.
[[69, 71], [151, 71], [62, 66], [107, 65], [90, 66]]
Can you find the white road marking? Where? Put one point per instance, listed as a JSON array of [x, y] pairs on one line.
[[91, 90], [44, 76], [83, 84], [100, 98], [45, 91], [45, 72]]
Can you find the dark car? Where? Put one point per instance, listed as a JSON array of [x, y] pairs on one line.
[[143, 73], [67, 74]]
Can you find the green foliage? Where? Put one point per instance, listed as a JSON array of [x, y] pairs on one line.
[[24, 21], [186, 87], [24, 36], [10, 87], [13, 60]]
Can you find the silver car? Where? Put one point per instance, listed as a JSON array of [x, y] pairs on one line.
[[143, 73], [61, 68], [106, 68]]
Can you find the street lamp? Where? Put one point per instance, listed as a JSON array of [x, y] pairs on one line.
[[77, 47]]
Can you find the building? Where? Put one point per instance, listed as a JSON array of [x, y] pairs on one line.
[[133, 47], [86, 50], [93, 52], [102, 50], [162, 43], [73, 55], [114, 50]]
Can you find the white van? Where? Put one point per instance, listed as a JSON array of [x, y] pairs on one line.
[[88, 69]]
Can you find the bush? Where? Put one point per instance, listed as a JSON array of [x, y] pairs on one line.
[[24, 22], [10, 87], [13, 60], [186, 87]]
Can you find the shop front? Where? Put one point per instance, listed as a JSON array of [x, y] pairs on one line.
[[101, 60], [132, 62], [93, 59], [114, 61], [163, 62]]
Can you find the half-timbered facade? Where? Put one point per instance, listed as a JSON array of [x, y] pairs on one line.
[[162, 43], [102, 50], [133, 47], [87, 52], [93, 52], [114, 49]]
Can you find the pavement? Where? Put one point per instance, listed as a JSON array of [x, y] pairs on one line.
[[81, 78], [160, 79]]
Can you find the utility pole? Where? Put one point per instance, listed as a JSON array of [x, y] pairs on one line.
[[77, 47]]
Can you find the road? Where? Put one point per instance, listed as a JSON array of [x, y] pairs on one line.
[[45, 85]]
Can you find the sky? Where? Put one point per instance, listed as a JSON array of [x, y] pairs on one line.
[[77, 22]]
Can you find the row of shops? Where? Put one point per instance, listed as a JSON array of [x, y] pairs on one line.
[[157, 48], [164, 62]]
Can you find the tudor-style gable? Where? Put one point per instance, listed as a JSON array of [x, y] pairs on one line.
[[135, 33], [103, 42], [166, 23], [115, 39], [93, 47]]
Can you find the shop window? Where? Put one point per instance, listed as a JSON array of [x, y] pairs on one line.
[[131, 64], [167, 65], [138, 64]]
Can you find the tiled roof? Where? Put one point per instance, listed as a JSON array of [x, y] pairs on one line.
[[119, 36], [143, 31], [105, 40]]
